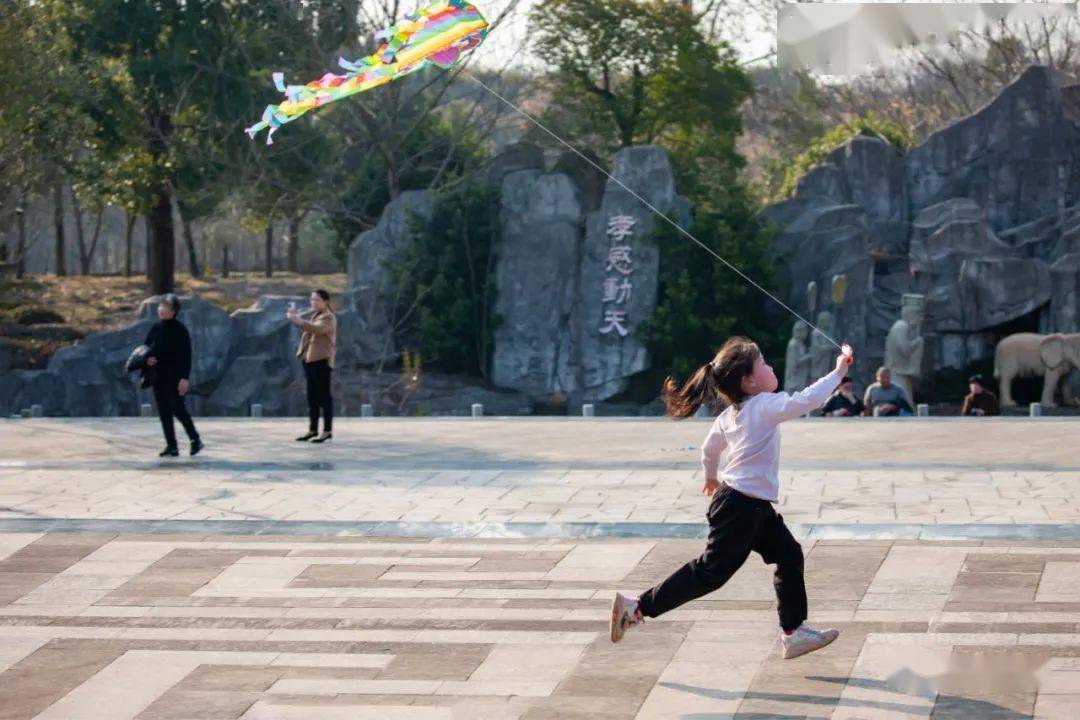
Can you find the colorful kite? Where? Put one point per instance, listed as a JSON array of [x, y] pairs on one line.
[[438, 34]]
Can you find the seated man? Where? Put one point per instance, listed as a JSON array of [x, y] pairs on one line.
[[843, 402], [980, 401], [884, 399]]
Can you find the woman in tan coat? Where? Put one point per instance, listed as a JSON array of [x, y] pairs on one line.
[[316, 352]]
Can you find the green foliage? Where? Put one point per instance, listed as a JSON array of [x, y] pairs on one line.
[[702, 301], [868, 124], [41, 123], [444, 280], [629, 72]]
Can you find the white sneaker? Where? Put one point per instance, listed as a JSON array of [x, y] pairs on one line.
[[625, 614], [805, 639]]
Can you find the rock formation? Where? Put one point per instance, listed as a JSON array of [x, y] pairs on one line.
[[981, 218], [576, 286]]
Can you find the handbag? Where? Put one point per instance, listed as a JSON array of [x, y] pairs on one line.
[[136, 362]]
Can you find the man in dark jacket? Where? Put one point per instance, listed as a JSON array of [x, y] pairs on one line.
[[170, 356], [980, 401], [844, 402]]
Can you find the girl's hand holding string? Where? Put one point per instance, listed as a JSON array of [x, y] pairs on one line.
[[843, 360], [711, 486]]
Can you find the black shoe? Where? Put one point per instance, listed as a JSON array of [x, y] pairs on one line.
[[308, 436], [169, 452], [196, 446], [323, 438]]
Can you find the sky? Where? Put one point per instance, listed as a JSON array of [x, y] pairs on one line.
[[504, 44]]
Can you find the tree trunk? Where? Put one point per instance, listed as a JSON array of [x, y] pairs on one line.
[[162, 245], [129, 233], [189, 239], [292, 258], [225, 260], [149, 259], [270, 248], [163, 237], [59, 255], [80, 234], [20, 250], [94, 242]]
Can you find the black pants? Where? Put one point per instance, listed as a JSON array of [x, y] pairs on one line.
[[169, 405], [318, 395], [738, 524]]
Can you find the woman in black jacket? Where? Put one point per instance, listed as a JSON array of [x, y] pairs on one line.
[[170, 356]]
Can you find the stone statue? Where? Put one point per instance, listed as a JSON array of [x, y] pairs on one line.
[[904, 345], [1051, 357], [822, 351], [797, 372]]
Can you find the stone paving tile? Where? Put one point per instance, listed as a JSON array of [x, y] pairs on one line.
[[641, 471], [490, 649]]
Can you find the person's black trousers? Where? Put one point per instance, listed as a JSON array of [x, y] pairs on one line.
[[170, 404], [738, 525], [318, 394]]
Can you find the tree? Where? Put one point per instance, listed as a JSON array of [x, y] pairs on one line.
[[702, 301], [188, 65], [445, 281], [631, 73], [39, 130]]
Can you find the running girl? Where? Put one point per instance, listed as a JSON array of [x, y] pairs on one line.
[[741, 516]]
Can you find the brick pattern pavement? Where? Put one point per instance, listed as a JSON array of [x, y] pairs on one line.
[[96, 627]]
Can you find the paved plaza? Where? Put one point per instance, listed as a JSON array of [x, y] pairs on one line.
[[463, 568]]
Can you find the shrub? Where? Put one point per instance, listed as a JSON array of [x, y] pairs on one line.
[[869, 125], [34, 315]]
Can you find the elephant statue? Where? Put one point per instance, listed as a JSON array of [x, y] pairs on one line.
[[1031, 355]]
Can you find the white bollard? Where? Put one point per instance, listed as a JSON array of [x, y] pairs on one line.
[[146, 410], [588, 410], [478, 410], [367, 410], [1035, 409], [37, 411], [256, 410], [922, 410]]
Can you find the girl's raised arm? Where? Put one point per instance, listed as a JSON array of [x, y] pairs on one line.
[[781, 406]]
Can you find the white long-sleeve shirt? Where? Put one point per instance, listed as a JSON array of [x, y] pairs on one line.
[[751, 436]]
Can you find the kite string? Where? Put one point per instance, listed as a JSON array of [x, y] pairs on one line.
[[651, 207]]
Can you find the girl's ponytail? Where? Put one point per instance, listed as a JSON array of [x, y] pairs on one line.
[[720, 379], [698, 390]]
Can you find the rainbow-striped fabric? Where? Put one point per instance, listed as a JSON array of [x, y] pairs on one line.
[[438, 34]]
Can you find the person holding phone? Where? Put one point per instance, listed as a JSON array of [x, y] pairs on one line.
[[317, 345]]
